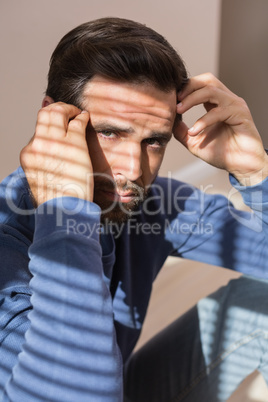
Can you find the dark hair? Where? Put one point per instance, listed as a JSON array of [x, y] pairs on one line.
[[117, 49]]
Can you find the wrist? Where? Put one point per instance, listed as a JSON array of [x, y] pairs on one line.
[[253, 178]]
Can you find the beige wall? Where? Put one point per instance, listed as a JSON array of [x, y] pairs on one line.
[[244, 55], [30, 29]]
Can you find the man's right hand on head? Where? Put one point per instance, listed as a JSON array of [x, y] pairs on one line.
[[56, 161]]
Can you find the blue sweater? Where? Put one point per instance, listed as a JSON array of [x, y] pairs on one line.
[[74, 294]]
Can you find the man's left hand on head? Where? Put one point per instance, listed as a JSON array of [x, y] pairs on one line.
[[225, 136]]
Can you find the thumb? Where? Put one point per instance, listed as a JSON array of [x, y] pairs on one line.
[[180, 132]]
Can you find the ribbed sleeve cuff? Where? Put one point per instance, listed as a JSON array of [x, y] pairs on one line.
[[254, 196], [70, 214]]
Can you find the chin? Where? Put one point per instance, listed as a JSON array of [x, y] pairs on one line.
[[117, 218], [118, 212], [119, 215]]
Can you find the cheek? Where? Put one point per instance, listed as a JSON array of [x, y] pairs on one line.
[[154, 161], [98, 154]]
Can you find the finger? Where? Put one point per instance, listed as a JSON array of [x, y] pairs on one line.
[[77, 128], [200, 81], [214, 116], [234, 114], [180, 132], [209, 96], [53, 120]]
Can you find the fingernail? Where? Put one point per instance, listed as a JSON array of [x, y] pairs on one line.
[[192, 130], [84, 111], [179, 105]]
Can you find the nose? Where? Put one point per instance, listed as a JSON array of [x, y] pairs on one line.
[[128, 161]]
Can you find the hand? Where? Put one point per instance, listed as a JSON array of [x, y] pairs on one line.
[[56, 161], [225, 136]]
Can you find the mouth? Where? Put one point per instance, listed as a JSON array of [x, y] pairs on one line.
[[123, 197]]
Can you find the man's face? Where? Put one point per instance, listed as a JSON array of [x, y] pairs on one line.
[[130, 126]]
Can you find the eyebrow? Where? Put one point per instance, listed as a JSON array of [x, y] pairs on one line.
[[107, 126]]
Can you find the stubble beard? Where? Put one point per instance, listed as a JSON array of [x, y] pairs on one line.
[[118, 212]]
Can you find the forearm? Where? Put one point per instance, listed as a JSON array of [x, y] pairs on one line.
[[211, 230], [70, 351]]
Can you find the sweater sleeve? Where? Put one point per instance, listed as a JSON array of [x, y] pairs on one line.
[[211, 230], [70, 351]]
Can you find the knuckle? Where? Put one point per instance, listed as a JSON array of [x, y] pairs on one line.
[[57, 108], [212, 89], [215, 111], [22, 153], [242, 102], [210, 77], [42, 114], [242, 105], [210, 86], [212, 81], [76, 125], [245, 110], [24, 156], [36, 145]]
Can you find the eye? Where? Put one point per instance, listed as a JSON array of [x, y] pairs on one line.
[[107, 134], [156, 142]]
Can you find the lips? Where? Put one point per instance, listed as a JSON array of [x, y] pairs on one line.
[[117, 196], [126, 194], [108, 193]]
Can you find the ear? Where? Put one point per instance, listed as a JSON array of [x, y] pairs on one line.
[[47, 101]]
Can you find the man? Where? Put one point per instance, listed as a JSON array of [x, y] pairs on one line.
[[89, 224]]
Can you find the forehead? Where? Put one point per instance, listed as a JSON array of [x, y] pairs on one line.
[[129, 101]]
